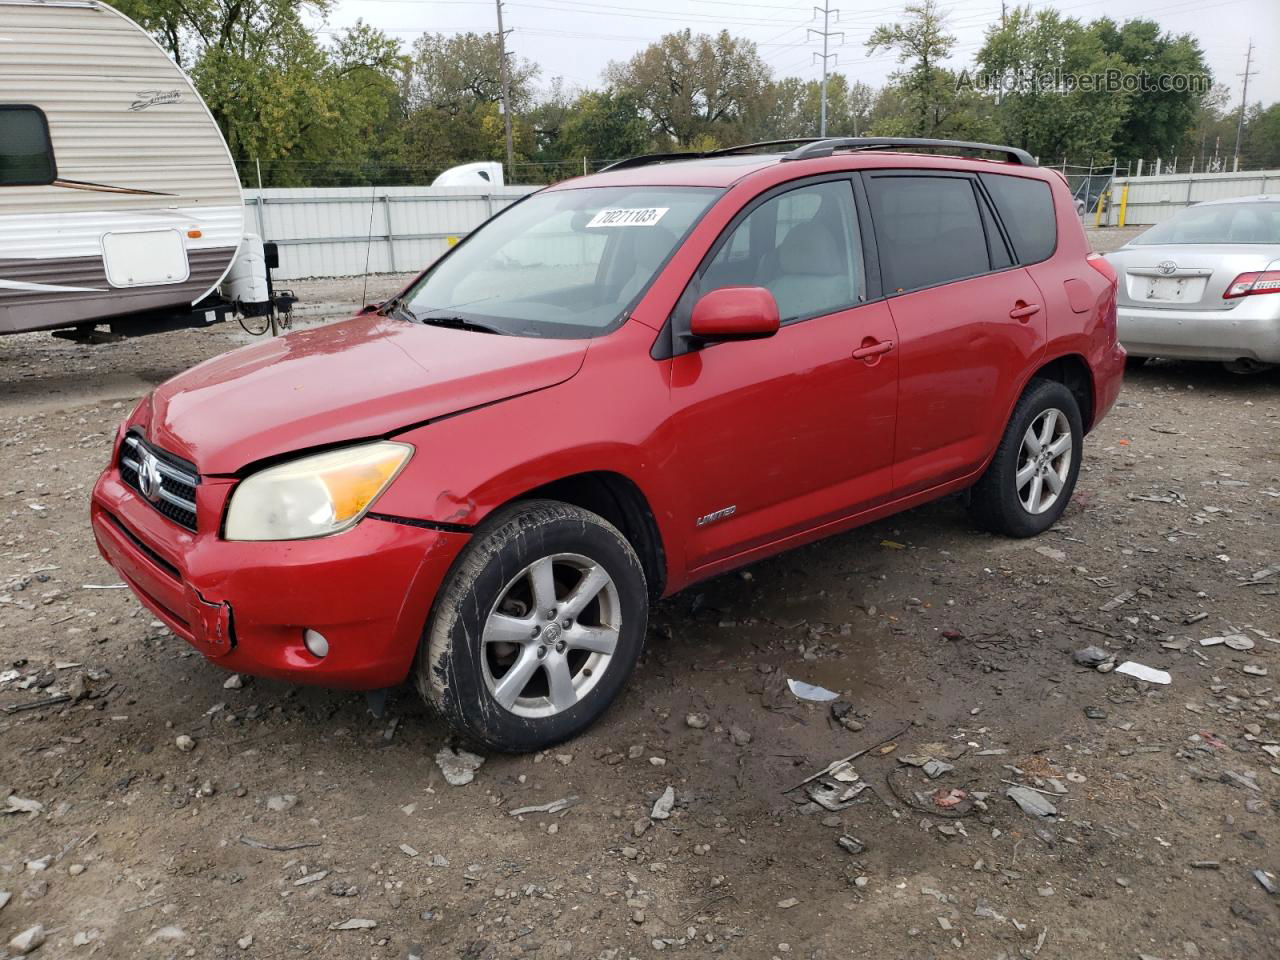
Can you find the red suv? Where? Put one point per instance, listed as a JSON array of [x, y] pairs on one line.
[[616, 387]]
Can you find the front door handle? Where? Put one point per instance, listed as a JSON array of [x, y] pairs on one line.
[[1022, 310], [872, 349]]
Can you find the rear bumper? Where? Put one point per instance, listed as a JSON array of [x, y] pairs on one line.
[[1250, 330], [245, 606]]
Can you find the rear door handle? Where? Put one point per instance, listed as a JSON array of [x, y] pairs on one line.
[[1022, 310], [873, 349]]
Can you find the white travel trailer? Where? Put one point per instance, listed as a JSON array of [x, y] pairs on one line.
[[118, 197]]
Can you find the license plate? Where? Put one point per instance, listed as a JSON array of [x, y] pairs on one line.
[[1175, 289]]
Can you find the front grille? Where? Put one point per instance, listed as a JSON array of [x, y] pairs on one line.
[[172, 482]]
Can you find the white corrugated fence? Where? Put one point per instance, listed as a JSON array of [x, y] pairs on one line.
[[1155, 199], [348, 231]]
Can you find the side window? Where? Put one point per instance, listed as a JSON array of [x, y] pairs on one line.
[[26, 155], [928, 230], [996, 246], [802, 245], [1026, 207]]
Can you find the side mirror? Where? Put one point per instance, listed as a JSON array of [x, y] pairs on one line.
[[735, 313]]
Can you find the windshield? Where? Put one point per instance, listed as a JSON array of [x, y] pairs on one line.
[[565, 263], [1256, 222]]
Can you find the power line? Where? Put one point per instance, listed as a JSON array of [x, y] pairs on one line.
[[1244, 98]]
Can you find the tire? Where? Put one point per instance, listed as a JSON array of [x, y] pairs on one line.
[[1001, 504], [492, 592], [1134, 363]]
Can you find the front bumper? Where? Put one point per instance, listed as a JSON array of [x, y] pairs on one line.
[[245, 606], [1250, 330]]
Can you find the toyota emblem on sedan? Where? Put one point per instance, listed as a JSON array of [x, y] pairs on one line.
[[1166, 267], [149, 480]]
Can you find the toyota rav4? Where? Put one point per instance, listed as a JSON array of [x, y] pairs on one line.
[[618, 386]]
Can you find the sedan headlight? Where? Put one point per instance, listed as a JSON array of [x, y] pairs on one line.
[[314, 496]]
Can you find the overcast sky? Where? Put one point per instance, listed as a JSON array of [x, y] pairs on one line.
[[576, 39]]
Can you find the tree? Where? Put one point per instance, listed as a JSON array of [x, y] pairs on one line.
[[1031, 59], [1161, 117], [694, 89], [298, 108], [795, 107], [605, 125], [922, 43], [454, 73]]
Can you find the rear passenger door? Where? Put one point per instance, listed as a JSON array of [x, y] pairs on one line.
[[969, 321]]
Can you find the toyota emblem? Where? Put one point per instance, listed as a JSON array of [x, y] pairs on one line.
[[149, 480], [1167, 267]]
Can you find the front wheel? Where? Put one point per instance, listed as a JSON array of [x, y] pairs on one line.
[[1033, 473], [537, 628]]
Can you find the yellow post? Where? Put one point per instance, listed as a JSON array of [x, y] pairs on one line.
[[1097, 208], [1124, 204]]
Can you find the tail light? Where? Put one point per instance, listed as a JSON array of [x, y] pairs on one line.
[[1103, 266], [1249, 284]]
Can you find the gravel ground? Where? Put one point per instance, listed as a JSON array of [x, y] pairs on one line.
[[296, 823]]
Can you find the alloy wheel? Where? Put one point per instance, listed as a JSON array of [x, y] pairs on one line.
[[551, 635], [1044, 461]]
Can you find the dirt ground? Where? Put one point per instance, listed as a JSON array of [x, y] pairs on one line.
[[298, 823]]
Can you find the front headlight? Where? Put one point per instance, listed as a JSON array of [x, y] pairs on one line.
[[314, 496]]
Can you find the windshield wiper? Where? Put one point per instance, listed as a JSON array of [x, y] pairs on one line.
[[454, 322]]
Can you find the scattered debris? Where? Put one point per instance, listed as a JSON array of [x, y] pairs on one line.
[[279, 847], [184, 743], [1093, 657], [555, 806], [850, 844], [1265, 881], [1031, 801], [29, 939], [458, 766], [1143, 672], [697, 721], [807, 691], [355, 923], [19, 805], [662, 808]]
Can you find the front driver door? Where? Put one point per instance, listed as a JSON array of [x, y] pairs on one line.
[[778, 436]]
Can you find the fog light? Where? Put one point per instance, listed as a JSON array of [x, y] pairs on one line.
[[316, 643]]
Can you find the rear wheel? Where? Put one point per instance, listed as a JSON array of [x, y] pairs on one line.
[[1033, 473], [1134, 363], [537, 628]]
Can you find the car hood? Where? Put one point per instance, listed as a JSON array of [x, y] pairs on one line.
[[365, 377]]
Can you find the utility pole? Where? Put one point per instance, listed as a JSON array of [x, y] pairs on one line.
[[826, 33], [1244, 99], [506, 100]]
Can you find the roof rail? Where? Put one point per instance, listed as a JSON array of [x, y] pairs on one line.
[[648, 158], [825, 148]]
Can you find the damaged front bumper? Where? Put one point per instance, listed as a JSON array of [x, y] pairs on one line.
[[247, 606]]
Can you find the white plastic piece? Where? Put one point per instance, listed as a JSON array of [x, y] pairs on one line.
[[246, 281], [1143, 672]]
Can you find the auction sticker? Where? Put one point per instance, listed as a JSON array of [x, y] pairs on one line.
[[627, 217]]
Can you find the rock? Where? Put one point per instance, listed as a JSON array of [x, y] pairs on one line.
[[850, 844], [282, 803], [662, 808], [86, 937], [788, 903], [458, 766], [184, 743], [235, 682], [739, 735], [5, 897], [79, 687], [167, 934], [245, 942], [1032, 803], [1092, 656], [1095, 713], [697, 721], [28, 940], [630, 853]]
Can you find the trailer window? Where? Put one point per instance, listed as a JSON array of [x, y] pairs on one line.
[[26, 155]]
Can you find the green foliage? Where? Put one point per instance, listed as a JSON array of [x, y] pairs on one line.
[[694, 88], [352, 108]]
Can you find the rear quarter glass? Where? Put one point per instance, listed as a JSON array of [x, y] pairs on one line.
[[1026, 209]]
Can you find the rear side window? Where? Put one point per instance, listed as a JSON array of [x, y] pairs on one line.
[[26, 155], [1026, 207], [928, 230]]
